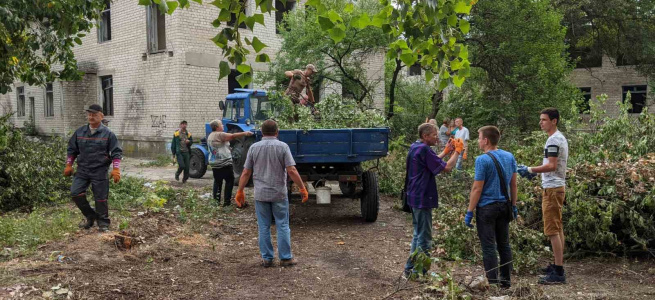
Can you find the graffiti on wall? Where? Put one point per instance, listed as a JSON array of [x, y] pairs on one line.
[[159, 122]]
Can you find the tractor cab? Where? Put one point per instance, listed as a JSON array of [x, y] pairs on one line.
[[245, 109]]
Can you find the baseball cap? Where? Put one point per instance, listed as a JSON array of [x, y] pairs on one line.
[[312, 67], [94, 108]]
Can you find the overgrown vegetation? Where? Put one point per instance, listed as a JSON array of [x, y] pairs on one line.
[[610, 192], [30, 171], [159, 161]]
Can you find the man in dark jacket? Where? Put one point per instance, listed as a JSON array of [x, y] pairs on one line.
[[96, 148], [181, 148]]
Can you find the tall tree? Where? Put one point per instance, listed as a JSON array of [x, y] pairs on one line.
[[37, 35], [520, 65], [303, 42], [624, 30]]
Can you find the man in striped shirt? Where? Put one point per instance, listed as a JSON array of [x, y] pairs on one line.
[[421, 188]]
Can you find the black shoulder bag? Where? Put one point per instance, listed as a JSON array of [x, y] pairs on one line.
[[503, 187], [403, 195]]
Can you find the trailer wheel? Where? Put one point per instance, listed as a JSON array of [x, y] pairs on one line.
[[347, 188], [370, 200], [197, 165]]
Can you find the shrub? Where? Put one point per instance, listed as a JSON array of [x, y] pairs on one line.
[[30, 169]]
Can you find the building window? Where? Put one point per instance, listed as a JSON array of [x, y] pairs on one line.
[[20, 92], [49, 101], [232, 82], [156, 26], [638, 95], [104, 24], [233, 16], [107, 95], [415, 70], [583, 106], [282, 9]]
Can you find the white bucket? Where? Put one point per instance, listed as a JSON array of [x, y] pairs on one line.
[[323, 195]]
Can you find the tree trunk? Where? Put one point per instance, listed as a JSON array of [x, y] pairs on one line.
[[392, 88], [437, 98]]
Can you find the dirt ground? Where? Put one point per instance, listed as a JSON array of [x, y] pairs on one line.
[[339, 257]]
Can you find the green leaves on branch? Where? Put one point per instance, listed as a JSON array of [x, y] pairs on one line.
[[232, 15], [429, 33]]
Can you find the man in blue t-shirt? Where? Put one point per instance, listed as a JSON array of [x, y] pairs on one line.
[[493, 216], [421, 188]]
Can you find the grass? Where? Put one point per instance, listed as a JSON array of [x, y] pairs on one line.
[[159, 161], [22, 233]]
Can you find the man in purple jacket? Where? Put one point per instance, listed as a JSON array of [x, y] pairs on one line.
[[421, 187]]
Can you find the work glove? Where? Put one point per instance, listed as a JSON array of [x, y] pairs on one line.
[[464, 155], [459, 145], [525, 173], [515, 211], [68, 171], [116, 175], [468, 218], [240, 199], [304, 194], [449, 147]]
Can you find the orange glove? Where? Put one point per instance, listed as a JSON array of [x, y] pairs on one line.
[[115, 174], [464, 155], [304, 194], [240, 198], [459, 145], [449, 147], [68, 171]]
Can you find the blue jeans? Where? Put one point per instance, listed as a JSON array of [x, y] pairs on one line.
[[422, 238], [265, 213], [460, 158]]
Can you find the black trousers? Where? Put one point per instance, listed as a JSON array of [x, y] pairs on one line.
[[223, 174], [100, 189], [493, 231]]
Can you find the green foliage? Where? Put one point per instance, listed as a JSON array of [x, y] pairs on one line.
[[334, 112], [342, 62], [413, 105], [517, 69], [21, 233], [31, 171], [37, 38], [160, 161]]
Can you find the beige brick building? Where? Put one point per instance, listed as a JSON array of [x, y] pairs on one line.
[[615, 81], [149, 72]]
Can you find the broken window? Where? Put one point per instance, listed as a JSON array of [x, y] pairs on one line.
[[49, 101], [20, 92], [281, 10], [233, 16], [232, 82], [415, 70], [107, 95], [156, 26], [638, 95], [583, 107], [104, 24]]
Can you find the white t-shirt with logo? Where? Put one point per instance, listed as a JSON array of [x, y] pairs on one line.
[[556, 146]]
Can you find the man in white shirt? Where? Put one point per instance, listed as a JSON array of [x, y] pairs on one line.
[[553, 182], [462, 133]]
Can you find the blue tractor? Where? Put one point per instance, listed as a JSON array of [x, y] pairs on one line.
[[321, 155]]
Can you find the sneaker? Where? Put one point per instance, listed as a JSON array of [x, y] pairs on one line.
[[547, 270], [287, 262], [103, 228], [266, 263], [177, 177], [86, 224], [552, 278]]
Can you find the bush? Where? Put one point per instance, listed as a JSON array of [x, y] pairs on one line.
[[610, 200], [30, 169]]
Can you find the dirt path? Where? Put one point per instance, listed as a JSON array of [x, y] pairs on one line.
[[339, 257]]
